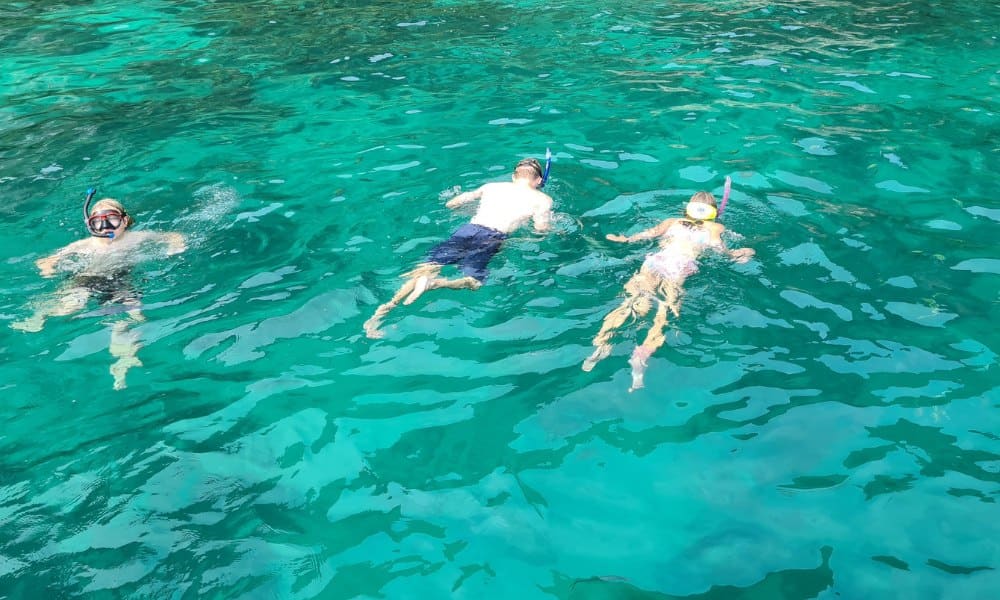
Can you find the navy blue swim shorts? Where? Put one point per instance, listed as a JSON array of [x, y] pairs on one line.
[[470, 248]]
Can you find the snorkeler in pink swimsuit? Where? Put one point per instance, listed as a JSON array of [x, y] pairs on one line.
[[661, 278]]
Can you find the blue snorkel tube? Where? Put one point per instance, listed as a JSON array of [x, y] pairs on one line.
[[548, 165], [86, 205], [86, 216]]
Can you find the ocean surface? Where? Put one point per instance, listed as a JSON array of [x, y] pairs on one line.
[[822, 422]]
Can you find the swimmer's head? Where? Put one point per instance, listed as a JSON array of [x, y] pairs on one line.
[[701, 207], [107, 216], [529, 168]]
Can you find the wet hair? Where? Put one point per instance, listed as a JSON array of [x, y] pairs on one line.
[[704, 198], [528, 167], [112, 204]]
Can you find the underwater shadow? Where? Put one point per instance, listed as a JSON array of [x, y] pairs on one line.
[[787, 584]]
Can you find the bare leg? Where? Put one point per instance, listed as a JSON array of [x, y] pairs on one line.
[[426, 280], [672, 291], [462, 283], [612, 322], [654, 339], [636, 304], [421, 276], [125, 347], [68, 302]]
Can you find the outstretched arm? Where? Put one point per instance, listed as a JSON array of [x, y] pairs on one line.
[[465, 198], [740, 255], [47, 266], [649, 234], [175, 242]]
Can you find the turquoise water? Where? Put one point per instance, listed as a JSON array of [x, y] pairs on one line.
[[822, 422]]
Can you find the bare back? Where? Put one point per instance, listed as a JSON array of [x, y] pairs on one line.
[[508, 205], [690, 239]]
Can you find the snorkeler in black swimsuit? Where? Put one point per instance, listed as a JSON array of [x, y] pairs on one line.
[[103, 272]]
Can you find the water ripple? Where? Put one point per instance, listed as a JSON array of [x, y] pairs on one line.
[[827, 409]]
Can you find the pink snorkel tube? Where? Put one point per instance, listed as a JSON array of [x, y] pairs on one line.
[[725, 195]]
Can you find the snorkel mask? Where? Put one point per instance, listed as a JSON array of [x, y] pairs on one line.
[[699, 211], [104, 223]]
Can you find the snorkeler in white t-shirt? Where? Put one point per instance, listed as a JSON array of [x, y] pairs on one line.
[[503, 208]]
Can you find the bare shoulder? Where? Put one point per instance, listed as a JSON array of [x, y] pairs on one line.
[[715, 230], [170, 238], [147, 236], [159, 236], [88, 246], [495, 186], [84, 245], [77, 247], [143, 236]]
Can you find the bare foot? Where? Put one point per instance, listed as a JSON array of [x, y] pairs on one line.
[[599, 354], [640, 358], [371, 329], [29, 325], [121, 367], [419, 287]]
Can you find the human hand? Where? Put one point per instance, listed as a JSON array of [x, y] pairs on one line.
[[466, 197], [614, 237], [46, 266], [742, 255], [456, 201], [450, 192], [176, 243]]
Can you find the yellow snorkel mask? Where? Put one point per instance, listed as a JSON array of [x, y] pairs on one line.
[[699, 211]]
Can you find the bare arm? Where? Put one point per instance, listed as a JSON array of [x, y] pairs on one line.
[[175, 242], [740, 255], [47, 266], [542, 219], [649, 234], [465, 198]]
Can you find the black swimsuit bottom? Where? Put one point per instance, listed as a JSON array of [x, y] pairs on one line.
[[115, 288]]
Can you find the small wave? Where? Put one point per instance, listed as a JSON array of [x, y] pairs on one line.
[[213, 209]]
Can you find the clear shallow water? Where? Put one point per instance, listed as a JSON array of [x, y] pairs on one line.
[[821, 423]]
